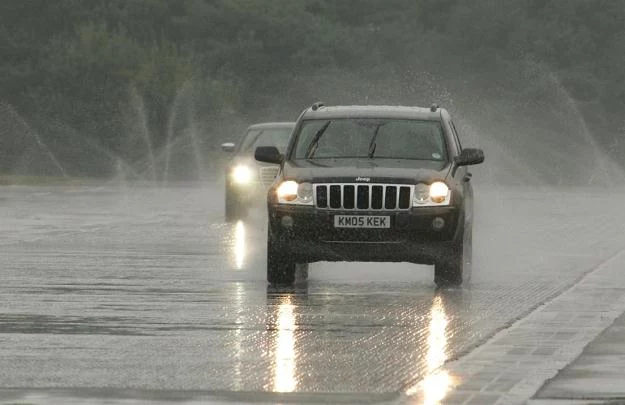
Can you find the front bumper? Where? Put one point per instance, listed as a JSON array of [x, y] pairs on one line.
[[309, 234], [252, 193]]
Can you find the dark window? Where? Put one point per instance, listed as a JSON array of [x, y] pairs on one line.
[[456, 137], [278, 137], [371, 138]]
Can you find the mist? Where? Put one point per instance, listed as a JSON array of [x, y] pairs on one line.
[[148, 94]]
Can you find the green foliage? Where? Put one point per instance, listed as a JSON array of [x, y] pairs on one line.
[[77, 70]]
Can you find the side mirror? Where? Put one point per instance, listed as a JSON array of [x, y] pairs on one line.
[[268, 154], [469, 156], [228, 147]]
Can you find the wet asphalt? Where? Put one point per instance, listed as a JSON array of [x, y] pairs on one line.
[[146, 292]]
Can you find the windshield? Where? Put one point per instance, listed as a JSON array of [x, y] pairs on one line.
[[278, 137], [372, 139]]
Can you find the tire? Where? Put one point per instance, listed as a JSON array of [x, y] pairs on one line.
[[301, 272], [234, 209], [448, 270], [449, 266], [467, 269], [280, 266]]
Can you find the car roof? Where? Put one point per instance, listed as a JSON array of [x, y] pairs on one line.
[[372, 111], [265, 125]]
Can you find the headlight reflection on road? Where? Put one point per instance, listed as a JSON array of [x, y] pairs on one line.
[[239, 245], [238, 346], [437, 382], [285, 357]]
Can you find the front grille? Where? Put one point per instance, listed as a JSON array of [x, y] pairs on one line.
[[363, 196], [268, 174]]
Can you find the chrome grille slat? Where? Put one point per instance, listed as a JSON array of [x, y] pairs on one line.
[[333, 196], [268, 174], [383, 196]]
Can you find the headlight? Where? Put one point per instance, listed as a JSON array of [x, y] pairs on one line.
[[437, 193], [421, 194], [287, 191], [305, 193], [290, 192], [242, 174]]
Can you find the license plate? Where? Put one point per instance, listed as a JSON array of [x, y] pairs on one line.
[[362, 221]]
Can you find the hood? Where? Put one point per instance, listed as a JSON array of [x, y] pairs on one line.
[[367, 170], [247, 160]]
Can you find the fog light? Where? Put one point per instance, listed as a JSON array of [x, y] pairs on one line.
[[287, 222], [438, 223]]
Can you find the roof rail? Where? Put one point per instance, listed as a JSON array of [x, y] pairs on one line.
[[317, 105], [434, 107]]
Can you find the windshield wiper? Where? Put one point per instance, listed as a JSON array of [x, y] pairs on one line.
[[312, 148], [372, 144]]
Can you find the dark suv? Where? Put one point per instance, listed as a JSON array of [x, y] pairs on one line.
[[371, 183]]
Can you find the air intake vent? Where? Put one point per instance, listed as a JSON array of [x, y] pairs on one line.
[[268, 174]]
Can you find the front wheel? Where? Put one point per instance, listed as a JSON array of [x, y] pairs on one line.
[[448, 268], [281, 268], [450, 265], [234, 208]]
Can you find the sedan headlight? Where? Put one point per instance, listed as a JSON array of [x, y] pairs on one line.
[[241, 174], [437, 193], [290, 192]]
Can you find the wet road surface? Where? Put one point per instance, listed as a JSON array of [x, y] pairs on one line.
[[115, 288]]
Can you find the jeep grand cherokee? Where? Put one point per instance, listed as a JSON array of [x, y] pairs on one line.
[[371, 183]]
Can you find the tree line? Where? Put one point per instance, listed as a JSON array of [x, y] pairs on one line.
[[135, 86]]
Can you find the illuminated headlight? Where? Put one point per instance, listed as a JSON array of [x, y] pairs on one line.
[[290, 192], [242, 174], [437, 193]]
